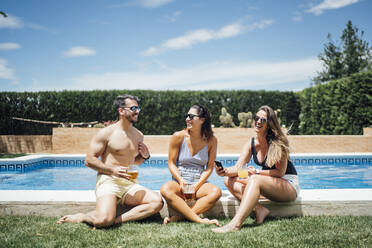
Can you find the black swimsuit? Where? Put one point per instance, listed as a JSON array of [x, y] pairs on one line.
[[291, 170]]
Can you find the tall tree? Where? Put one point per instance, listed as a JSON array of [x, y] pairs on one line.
[[354, 55], [357, 53]]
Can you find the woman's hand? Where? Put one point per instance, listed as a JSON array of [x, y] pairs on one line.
[[251, 170], [220, 172], [183, 186]]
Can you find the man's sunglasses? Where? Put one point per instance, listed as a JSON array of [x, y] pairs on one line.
[[191, 116], [134, 108], [263, 120]]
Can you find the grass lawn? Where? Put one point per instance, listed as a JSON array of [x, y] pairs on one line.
[[34, 231], [7, 155]]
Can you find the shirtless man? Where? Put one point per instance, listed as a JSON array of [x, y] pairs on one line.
[[119, 146]]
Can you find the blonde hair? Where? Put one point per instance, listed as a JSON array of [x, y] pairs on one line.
[[276, 139]]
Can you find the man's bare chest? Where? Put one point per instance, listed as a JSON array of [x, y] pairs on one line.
[[122, 143]]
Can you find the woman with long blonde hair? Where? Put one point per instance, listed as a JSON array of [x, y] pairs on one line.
[[277, 181]]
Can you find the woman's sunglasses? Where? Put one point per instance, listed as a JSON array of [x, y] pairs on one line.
[[191, 116], [134, 108], [262, 119]]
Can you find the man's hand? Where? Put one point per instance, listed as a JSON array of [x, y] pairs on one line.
[[120, 171], [143, 150]]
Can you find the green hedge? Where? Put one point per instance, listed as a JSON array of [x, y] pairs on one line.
[[341, 106], [162, 111]]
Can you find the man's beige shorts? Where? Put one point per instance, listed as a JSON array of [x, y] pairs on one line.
[[111, 185]]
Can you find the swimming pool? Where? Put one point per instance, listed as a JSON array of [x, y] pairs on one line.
[[67, 172]]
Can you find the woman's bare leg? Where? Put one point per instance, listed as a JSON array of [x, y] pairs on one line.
[[206, 196], [274, 188], [236, 187], [171, 191]]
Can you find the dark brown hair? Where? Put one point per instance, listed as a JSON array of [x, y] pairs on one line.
[[120, 101], [203, 112]]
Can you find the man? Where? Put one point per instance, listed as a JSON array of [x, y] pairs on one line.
[[119, 146]]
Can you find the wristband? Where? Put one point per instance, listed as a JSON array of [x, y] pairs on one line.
[[145, 158], [257, 171]]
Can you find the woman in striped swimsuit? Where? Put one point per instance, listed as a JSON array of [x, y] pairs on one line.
[[192, 152]]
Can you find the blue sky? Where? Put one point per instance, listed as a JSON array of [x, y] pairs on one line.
[[169, 44]]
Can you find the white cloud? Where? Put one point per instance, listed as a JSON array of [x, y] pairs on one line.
[[219, 75], [330, 4], [297, 18], [173, 17], [152, 3], [9, 46], [79, 51], [5, 71], [203, 35], [11, 22], [143, 3]]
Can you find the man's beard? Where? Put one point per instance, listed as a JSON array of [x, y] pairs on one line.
[[130, 119]]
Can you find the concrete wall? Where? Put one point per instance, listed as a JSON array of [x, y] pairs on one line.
[[25, 143], [230, 140]]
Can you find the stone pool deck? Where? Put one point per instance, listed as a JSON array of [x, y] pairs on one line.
[[340, 202]]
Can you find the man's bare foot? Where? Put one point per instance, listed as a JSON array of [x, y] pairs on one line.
[[227, 228], [74, 218], [209, 222], [261, 213], [172, 219]]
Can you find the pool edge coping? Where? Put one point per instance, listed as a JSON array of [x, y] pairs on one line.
[[311, 202]]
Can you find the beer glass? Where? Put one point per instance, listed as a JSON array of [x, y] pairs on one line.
[[188, 192], [133, 171], [243, 172]]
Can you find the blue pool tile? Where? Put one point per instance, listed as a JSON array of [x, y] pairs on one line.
[[11, 167]]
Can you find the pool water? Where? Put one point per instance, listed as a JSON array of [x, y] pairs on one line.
[[83, 178]]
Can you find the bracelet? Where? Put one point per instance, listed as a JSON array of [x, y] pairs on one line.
[[144, 157]]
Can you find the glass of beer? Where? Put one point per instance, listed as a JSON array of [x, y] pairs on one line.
[[243, 172], [188, 192], [133, 171]]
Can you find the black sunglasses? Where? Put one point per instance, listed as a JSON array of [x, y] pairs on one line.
[[191, 116], [263, 120], [134, 108]]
